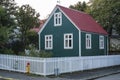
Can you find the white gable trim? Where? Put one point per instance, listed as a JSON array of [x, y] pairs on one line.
[[80, 43], [69, 19], [48, 20], [39, 42]]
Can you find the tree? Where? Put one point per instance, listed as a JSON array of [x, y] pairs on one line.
[[27, 18], [7, 12], [7, 18], [107, 13], [32, 38], [79, 6], [3, 37]]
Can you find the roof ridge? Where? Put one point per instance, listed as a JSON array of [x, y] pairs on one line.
[[72, 9]]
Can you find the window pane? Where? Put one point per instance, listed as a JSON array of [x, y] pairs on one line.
[[49, 37], [56, 15], [69, 36], [46, 44], [70, 43], [87, 36], [56, 21], [50, 43], [59, 21], [66, 43], [46, 38], [66, 36]]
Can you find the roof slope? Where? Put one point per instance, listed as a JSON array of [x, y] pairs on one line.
[[83, 21]]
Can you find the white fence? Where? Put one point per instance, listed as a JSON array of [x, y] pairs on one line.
[[49, 66]]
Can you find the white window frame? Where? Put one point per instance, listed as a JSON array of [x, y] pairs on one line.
[[58, 19], [68, 39], [48, 41], [101, 42], [88, 41]]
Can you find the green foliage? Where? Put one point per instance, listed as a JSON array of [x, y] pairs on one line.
[[79, 6], [8, 51], [7, 12], [45, 54], [106, 12], [7, 16], [27, 18], [17, 46], [3, 35], [32, 38], [35, 53], [42, 54], [115, 47], [3, 38]]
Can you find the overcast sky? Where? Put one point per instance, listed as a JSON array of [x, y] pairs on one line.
[[44, 7]]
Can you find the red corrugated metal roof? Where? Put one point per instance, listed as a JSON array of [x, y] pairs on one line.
[[83, 21]]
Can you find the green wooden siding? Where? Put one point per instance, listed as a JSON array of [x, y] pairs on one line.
[[94, 51], [58, 37]]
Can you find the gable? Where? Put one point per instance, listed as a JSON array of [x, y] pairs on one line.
[[55, 10], [66, 27]]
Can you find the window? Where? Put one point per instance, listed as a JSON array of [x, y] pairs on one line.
[[48, 41], [101, 42], [88, 41], [68, 41], [58, 19]]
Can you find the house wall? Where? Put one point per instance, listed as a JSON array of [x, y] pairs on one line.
[[58, 37], [94, 51]]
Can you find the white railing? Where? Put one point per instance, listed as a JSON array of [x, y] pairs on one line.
[[49, 66]]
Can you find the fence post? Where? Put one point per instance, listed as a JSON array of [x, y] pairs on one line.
[[44, 67], [70, 65], [82, 63]]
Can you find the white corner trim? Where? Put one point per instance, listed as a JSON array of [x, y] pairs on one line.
[[80, 44], [107, 45], [39, 42]]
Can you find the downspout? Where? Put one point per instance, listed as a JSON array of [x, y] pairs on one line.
[[39, 40], [108, 43]]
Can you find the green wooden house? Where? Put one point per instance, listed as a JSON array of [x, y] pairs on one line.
[[69, 32]]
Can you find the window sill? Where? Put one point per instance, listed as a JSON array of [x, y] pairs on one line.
[[68, 48]]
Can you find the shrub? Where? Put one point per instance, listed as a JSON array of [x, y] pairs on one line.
[[8, 51], [45, 54], [33, 52]]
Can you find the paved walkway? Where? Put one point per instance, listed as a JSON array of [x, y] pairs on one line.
[[83, 75], [110, 77]]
